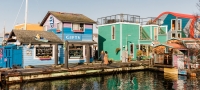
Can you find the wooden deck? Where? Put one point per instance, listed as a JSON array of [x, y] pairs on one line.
[[52, 71]]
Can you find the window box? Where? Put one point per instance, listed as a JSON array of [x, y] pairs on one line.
[[78, 27], [58, 31]]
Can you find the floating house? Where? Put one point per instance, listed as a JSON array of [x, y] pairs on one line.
[[27, 47], [179, 25], [77, 30], [122, 36]]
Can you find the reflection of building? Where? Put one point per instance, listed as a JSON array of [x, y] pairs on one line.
[[77, 29], [29, 27]]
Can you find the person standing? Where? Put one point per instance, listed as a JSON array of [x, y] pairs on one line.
[[106, 58], [102, 57]]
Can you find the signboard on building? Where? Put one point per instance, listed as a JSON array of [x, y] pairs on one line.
[[73, 37]]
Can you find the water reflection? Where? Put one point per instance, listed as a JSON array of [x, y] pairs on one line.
[[142, 80]]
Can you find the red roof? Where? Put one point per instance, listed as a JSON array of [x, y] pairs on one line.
[[176, 46], [180, 15]]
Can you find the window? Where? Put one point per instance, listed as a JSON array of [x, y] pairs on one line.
[[173, 24], [132, 50], [44, 52], [75, 52], [173, 35], [113, 33], [78, 27], [179, 35]]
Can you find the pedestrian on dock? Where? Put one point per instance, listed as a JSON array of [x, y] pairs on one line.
[[102, 57], [106, 58]]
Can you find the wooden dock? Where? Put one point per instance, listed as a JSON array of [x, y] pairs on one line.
[[10, 76]]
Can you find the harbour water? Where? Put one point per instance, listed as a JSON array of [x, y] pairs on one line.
[[140, 80]]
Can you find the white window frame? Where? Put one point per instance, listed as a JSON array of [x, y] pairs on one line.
[[156, 33], [175, 24], [180, 35], [78, 27], [53, 51], [172, 35], [58, 26], [113, 33]]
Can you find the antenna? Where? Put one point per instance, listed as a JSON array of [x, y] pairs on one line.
[[26, 11]]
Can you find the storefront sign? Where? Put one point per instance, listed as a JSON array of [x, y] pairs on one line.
[[73, 37], [51, 21]]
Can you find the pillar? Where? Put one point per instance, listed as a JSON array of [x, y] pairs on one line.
[[56, 54], [66, 54], [87, 53]]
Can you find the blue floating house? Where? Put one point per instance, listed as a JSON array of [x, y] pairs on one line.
[[26, 47], [77, 29]]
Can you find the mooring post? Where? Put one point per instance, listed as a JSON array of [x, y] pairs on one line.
[[66, 54], [87, 53], [56, 54]]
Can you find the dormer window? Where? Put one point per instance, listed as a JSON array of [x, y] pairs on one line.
[[78, 27]]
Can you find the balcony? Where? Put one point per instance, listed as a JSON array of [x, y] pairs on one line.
[[118, 18]]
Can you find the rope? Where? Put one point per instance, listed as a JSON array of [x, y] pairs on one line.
[[18, 13]]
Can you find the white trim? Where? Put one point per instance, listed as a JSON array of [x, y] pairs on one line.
[[149, 25], [156, 32], [53, 51], [121, 40], [113, 26], [180, 35], [171, 35], [151, 32], [175, 24]]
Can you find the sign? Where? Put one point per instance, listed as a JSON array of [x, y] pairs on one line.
[[28, 52], [51, 21], [1, 52], [73, 37]]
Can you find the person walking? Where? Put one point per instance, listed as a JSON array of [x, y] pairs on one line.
[[102, 57], [106, 58]]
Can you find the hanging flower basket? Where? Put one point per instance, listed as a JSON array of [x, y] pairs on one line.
[[117, 50]]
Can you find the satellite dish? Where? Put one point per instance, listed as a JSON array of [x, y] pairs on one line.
[[29, 46], [161, 22]]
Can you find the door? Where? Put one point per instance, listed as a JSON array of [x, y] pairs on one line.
[[8, 57], [17, 57]]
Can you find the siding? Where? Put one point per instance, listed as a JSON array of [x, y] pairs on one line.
[[133, 30], [105, 43], [29, 60]]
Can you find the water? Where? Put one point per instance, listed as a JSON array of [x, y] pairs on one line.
[[140, 80]]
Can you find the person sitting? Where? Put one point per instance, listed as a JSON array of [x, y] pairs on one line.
[[38, 36]]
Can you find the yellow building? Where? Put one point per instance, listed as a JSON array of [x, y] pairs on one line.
[[29, 27]]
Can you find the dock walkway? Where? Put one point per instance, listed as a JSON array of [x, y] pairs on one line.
[[57, 71]]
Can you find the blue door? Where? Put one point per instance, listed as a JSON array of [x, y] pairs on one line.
[[8, 57], [17, 57]]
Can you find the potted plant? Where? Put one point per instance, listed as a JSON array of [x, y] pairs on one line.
[[139, 54]]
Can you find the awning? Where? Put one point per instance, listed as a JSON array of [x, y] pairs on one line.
[[82, 42]]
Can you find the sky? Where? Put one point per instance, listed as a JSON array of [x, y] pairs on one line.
[[11, 14]]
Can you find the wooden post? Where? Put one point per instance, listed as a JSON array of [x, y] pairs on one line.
[[87, 53], [66, 54], [56, 54]]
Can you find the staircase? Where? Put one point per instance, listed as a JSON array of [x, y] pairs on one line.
[[144, 35]]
